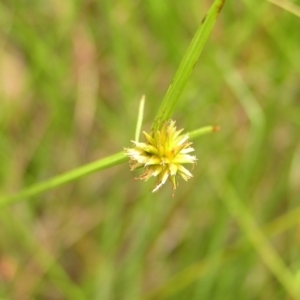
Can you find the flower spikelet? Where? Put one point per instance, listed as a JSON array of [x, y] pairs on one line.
[[162, 155]]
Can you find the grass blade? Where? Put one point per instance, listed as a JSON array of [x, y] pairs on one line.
[[187, 64], [256, 236], [288, 6]]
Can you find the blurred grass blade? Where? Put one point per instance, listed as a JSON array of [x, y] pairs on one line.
[[48, 264], [255, 235], [56, 181], [288, 6], [189, 275], [187, 64], [204, 265]]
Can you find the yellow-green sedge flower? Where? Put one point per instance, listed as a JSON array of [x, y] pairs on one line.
[[162, 155]]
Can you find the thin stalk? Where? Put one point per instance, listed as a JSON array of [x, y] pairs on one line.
[[67, 177], [140, 119], [187, 64], [203, 130]]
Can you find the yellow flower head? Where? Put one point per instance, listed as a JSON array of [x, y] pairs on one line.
[[162, 155]]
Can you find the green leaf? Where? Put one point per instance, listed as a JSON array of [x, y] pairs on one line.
[[187, 64]]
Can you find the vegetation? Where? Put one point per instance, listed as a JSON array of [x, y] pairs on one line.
[[72, 74]]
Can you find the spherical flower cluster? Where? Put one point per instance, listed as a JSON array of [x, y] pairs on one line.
[[162, 155]]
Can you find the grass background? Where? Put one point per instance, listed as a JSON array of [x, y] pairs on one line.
[[72, 73]]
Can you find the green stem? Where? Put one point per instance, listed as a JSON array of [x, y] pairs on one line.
[[70, 176], [203, 130], [140, 119], [187, 64]]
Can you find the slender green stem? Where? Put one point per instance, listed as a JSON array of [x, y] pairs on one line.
[[140, 119], [203, 130], [187, 64], [67, 177]]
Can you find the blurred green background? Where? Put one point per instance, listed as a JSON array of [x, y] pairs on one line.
[[71, 76]]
